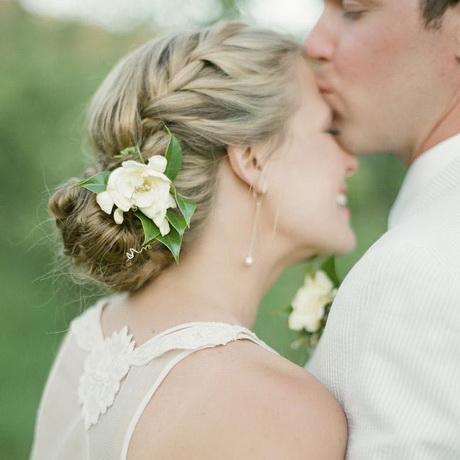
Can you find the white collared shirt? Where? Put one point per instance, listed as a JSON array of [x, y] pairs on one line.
[[422, 171]]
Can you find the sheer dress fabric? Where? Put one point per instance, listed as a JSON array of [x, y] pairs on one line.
[[99, 387]]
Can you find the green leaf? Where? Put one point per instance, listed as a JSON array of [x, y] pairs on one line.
[[173, 242], [329, 267], [96, 183], [151, 231], [173, 156], [177, 221], [186, 207], [131, 150]]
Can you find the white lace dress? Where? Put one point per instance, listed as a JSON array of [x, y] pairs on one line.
[[98, 387]]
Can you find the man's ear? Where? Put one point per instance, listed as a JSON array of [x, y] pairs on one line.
[[247, 163]]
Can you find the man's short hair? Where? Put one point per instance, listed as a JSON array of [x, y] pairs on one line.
[[433, 10]]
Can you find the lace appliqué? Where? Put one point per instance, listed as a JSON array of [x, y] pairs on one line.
[[110, 358], [105, 367]]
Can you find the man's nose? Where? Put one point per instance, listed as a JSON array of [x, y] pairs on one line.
[[319, 43]]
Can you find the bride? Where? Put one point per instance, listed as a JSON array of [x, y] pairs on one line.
[[224, 123]]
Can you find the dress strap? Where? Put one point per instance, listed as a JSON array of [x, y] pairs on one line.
[[187, 336], [192, 336]]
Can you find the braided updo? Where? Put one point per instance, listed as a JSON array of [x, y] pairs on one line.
[[224, 85]]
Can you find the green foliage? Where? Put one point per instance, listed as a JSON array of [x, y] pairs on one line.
[[130, 151], [177, 221], [174, 157], [329, 267], [151, 231], [173, 241], [96, 183], [187, 208]]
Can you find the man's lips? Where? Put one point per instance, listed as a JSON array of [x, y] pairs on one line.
[[324, 89], [323, 84], [329, 95]]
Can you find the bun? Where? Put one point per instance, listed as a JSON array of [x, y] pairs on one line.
[[98, 247]]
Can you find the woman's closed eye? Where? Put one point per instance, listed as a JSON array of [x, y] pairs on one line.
[[333, 131], [353, 14]]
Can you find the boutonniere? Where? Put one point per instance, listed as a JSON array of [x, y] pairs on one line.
[[309, 309], [146, 188]]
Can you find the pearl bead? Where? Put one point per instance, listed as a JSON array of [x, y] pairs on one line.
[[249, 261]]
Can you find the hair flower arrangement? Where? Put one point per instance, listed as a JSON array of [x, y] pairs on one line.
[[148, 190], [310, 307]]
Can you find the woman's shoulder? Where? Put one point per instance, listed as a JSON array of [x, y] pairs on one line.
[[287, 412], [240, 399]]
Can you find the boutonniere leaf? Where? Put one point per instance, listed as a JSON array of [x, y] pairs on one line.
[[96, 183], [329, 267]]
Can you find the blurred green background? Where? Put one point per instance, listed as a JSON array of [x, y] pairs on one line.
[[48, 71]]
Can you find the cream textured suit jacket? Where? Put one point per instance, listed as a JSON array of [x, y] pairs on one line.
[[391, 349]]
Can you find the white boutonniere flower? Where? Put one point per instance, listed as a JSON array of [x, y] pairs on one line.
[[309, 303], [308, 312]]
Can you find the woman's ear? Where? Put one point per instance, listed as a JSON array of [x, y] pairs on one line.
[[247, 163]]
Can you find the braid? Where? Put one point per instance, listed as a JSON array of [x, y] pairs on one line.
[[224, 85]]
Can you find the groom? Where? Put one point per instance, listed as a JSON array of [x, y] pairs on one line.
[[390, 70]]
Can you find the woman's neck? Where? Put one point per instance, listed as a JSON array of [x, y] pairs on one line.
[[210, 284]]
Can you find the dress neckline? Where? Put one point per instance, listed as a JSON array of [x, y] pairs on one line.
[[109, 359], [99, 307]]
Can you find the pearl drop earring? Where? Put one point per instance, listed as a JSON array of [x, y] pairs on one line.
[[249, 260]]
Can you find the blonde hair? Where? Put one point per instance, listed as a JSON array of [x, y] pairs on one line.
[[228, 84]]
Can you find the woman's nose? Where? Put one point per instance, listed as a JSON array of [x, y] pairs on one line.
[[352, 164]]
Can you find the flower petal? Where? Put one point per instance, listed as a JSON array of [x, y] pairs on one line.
[[172, 202], [158, 163], [132, 164], [122, 202], [324, 281], [118, 216], [295, 322], [157, 175], [164, 227], [105, 201], [144, 199]]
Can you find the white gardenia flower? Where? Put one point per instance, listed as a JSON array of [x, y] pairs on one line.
[[142, 186], [310, 302]]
